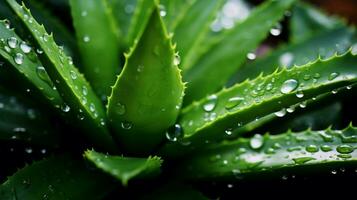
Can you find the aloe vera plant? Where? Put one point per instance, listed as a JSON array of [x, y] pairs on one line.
[[154, 99]]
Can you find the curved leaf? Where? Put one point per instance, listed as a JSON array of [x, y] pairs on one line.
[[147, 96], [22, 56], [193, 27], [124, 168], [72, 86], [211, 71], [322, 45], [270, 154], [307, 21], [60, 177], [99, 45], [213, 118]]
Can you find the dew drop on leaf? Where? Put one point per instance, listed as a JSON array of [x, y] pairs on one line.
[[345, 149], [312, 148], [19, 58], [210, 104], [325, 148], [256, 141], [280, 113], [126, 125], [86, 38], [251, 56], [73, 74], [289, 86], [12, 42], [174, 133], [302, 160], [333, 75], [120, 109], [233, 102], [25, 47]]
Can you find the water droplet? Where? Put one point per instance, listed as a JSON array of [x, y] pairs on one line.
[[92, 107], [162, 10], [302, 160], [333, 75], [269, 86], [174, 133], [84, 90], [28, 150], [256, 141], [43, 151], [280, 113], [333, 172], [19, 130], [25, 48], [42, 74], [7, 23], [177, 59], [291, 149], [65, 108], [325, 148], [86, 38], [349, 87], [270, 151], [210, 103], [73, 75], [299, 94], [251, 56], [233, 102], [334, 91], [286, 59], [12, 42], [289, 86], [19, 58], [84, 100], [126, 125], [312, 148], [345, 149], [39, 51], [140, 68], [230, 186], [307, 77], [303, 104], [84, 13], [291, 109], [228, 131], [120, 110], [276, 30]]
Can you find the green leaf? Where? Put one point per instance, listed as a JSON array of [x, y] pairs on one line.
[[193, 27], [60, 177], [99, 45], [22, 56], [124, 11], [270, 154], [213, 118], [23, 121], [323, 45], [211, 71], [139, 21], [147, 96], [308, 21], [175, 10], [174, 191], [53, 24], [72, 86], [124, 168]]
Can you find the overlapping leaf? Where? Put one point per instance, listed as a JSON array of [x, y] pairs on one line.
[[148, 93], [273, 154], [72, 86]]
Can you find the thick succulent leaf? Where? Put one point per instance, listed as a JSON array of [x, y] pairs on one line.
[[193, 27], [229, 52], [213, 118], [125, 168], [72, 86], [139, 21], [63, 35], [60, 177], [99, 45], [148, 93], [173, 11], [271, 154], [22, 121], [325, 45], [22, 56], [173, 192], [123, 12], [307, 21]]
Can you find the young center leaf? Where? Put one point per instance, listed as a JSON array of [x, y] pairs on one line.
[[58, 177], [215, 117], [72, 86], [125, 168], [147, 95], [228, 52], [273, 154], [99, 45]]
